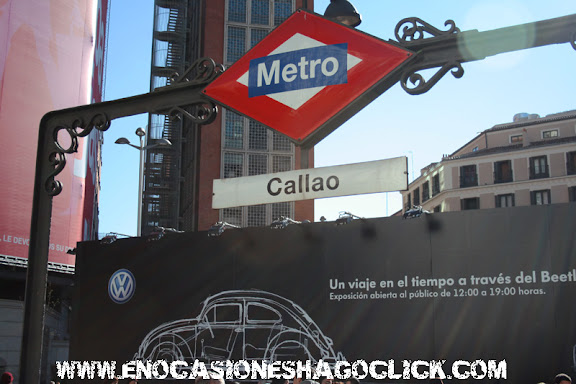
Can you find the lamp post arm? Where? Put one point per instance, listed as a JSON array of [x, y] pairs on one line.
[[135, 146], [155, 146]]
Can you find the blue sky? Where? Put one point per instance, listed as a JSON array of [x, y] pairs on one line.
[[423, 127]]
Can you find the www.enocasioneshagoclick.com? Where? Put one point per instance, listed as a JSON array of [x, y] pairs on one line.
[[260, 370]]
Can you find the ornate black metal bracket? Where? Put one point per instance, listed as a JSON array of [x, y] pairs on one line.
[[57, 158], [198, 108], [414, 29], [412, 33], [421, 85], [445, 49], [201, 73]]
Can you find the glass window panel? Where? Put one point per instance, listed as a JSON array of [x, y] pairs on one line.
[[260, 12], [506, 200], [541, 197], [282, 9], [236, 43], [416, 196], [281, 209], [237, 11], [257, 164], [281, 143], [516, 138], [257, 136], [281, 163], [256, 216], [256, 35], [232, 216], [233, 165], [572, 193], [234, 132]]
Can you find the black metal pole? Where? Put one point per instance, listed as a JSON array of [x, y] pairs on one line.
[[37, 273], [50, 161]]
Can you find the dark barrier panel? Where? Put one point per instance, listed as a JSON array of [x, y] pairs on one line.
[[488, 284]]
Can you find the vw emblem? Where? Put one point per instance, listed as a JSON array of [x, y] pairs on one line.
[[121, 286]]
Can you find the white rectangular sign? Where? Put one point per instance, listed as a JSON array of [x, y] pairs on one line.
[[315, 183]]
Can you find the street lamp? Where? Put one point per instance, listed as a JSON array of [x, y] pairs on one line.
[[142, 148], [343, 12]]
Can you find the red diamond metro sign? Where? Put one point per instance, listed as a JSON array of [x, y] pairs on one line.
[[308, 76]]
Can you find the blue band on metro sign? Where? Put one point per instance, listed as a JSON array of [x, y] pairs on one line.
[[300, 69]]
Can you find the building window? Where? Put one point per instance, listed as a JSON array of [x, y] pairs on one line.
[[249, 21], [280, 209], [257, 136], [514, 139], [572, 194], [408, 202], [256, 35], [468, 176], [280, 142], [260, 12], [249, 148], [538, 167], [471, 203], [435, 184], [416, 196], [236, 46], [257, 164], [256, 216], [232, 215], [503, 171], [237, 11], [282, 9], [550, 134], [281, 163], [234, 131], [540, 197], [506, 200], [425, 191], [571, 163], [233, 165]]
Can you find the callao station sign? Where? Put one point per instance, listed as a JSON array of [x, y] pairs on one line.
[[308, 76], [305, 79], [342, 180]]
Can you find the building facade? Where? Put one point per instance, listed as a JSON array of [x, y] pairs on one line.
[[178, 179], [531, 161]]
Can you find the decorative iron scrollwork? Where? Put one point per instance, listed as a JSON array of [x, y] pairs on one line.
[[199, 113], [57, 158], [202, 71], [421, 85], [414, 29]]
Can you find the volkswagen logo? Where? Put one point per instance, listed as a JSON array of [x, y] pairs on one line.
[[121, 286]]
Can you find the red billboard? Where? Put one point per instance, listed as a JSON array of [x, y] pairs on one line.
[[47, 58]]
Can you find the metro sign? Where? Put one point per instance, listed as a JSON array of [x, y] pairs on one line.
[[308, 76]]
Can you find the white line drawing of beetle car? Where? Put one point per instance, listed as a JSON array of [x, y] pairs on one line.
[[241, 325]]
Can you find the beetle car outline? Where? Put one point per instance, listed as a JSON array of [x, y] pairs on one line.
[[241, 325]]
